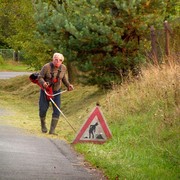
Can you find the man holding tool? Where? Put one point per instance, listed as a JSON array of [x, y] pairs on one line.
[[50, 78]]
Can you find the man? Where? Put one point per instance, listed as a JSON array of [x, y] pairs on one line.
[[51, 76]]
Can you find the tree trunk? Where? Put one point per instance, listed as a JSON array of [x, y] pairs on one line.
[[166, 28], [153, 45], [72, 72]]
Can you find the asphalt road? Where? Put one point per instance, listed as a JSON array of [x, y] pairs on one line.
[[27, 157], [24, 156], [7, 75]]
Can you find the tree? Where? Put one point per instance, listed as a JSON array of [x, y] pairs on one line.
[[106, 38], [18, 31], [5, 29]]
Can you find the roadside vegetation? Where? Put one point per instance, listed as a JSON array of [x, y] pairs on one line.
[[125, 53], [101, 40], [10, 65], [142, 114]]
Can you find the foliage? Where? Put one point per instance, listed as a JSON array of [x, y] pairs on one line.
[[18, 32], [107, 38], [1, 60], [10, 12], [14, 66]]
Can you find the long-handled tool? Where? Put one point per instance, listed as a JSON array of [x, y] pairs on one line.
[[34, 78], [55, 94], [58, 107]]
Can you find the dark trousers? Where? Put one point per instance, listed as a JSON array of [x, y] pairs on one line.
[[44, 104]]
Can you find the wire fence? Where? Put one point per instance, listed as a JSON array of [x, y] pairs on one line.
[[10, 54], [7, 54], [164, 43]]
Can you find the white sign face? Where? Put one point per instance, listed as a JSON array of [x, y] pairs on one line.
[[94, 131]]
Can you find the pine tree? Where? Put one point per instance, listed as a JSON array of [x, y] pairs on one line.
[[106, 38]]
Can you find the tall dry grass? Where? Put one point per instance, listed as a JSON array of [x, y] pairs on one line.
[[159, 87]]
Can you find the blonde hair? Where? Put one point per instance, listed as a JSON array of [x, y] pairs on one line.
[[59, 56]]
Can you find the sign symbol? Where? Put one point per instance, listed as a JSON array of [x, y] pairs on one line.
[[92, 130]]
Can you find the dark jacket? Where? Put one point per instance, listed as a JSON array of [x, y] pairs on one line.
[[45, 76]]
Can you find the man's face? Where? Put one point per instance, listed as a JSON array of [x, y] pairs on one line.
[[57, 62]]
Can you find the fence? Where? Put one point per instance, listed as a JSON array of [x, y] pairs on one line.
[[163, 44], [10, 54]]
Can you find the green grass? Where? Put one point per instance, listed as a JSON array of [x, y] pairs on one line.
[[13, 66], [136, 152], [143, 116]]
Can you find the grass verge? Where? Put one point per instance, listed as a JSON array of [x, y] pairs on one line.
[[10, 65], [143, 116]]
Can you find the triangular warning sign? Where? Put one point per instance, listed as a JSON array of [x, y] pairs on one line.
[[94, 129]]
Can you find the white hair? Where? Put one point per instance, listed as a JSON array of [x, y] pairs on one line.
[[59, 56]]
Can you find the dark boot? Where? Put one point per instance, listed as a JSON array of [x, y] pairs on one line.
[[43, 125], [53, 125]]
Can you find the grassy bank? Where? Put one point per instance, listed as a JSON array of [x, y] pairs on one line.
[[11, 65], [143, 116]]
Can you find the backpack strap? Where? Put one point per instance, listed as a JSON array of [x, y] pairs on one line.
[[54, 80], [59, 71], [52, 71]]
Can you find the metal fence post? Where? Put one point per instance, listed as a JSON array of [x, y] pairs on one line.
[[16, 55]]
